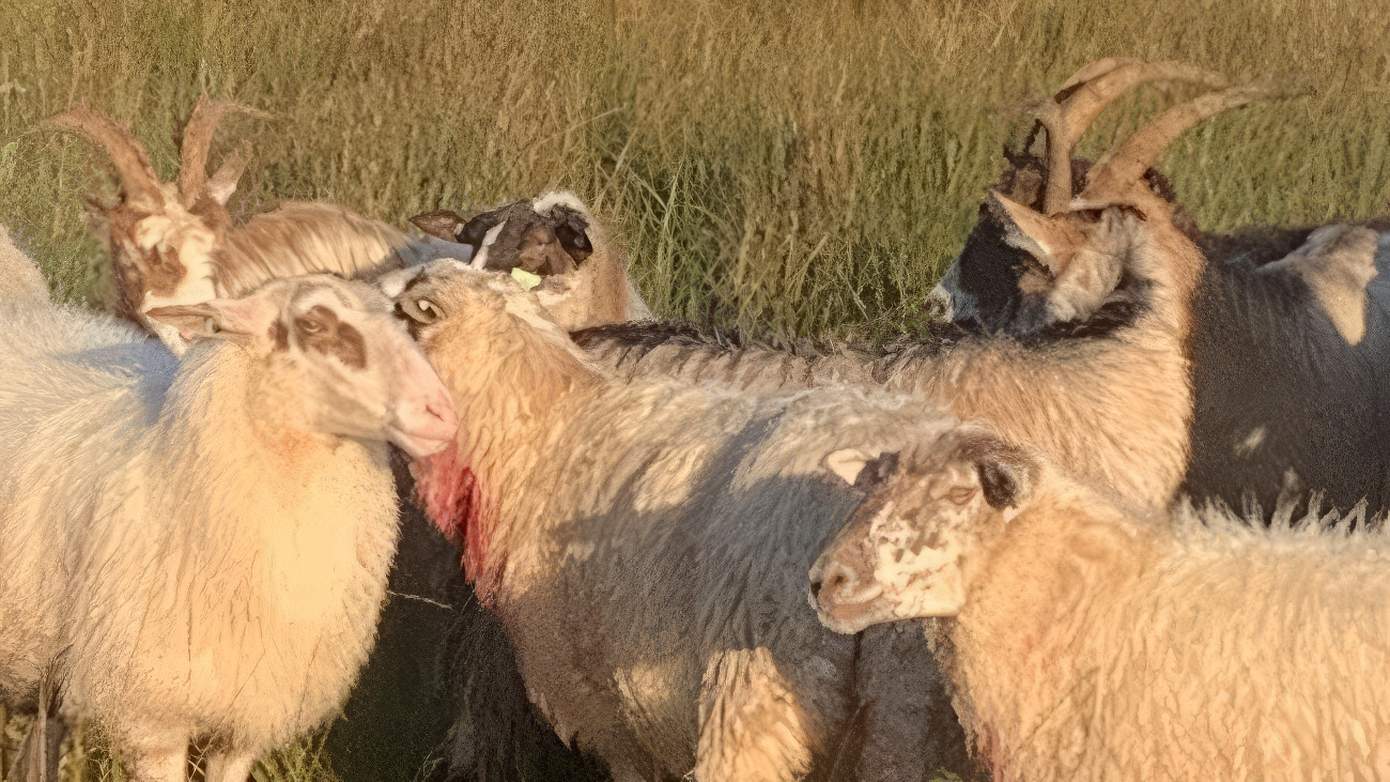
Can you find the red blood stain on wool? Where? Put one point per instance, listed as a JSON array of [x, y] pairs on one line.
[[449, 491]]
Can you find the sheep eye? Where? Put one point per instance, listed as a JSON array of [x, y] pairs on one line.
[[961, 494], [308, 326], [421, 310]]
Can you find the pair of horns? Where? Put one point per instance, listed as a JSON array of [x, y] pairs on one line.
[[1069, 113], [132, 162]]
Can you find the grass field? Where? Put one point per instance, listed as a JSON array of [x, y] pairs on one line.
[[792, 165]]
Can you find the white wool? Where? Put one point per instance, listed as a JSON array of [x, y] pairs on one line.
[[196, 577], [650, 540], [1098, 645]]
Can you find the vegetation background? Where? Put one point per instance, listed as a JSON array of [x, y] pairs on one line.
[[794, 166]]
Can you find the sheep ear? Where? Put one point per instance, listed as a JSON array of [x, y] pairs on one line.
[[1052, 242], [860, 469], [441, 224], [1007, 473], [235, 319]]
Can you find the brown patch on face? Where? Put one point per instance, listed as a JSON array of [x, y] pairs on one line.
[[280, 335], [320, 329], [137, 273]]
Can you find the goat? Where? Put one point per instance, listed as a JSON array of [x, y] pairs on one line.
[[155, 513], [1090, 641], [1108, 395], [175, 243], [1279, 317], [552, 236]]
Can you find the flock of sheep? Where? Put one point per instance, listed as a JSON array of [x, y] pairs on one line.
[[1014, 534]]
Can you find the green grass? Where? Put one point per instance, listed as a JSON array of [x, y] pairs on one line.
[[798, 167]]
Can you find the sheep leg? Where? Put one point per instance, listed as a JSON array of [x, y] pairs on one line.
[[230, 767], [159, 757], [752, 726], [910, 727]]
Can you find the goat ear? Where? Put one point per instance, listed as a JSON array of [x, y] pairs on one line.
[[1051, 241], [235, 319], [860, 469], [441, 224], [1007, 473], [223, 183]]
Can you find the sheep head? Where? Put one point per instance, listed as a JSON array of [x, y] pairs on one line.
[[907, 550], [334, 361], [162, 235], [990, 283]]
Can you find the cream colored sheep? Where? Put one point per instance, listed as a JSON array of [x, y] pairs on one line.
[[1092, 642], [202, 546], [641, 540]]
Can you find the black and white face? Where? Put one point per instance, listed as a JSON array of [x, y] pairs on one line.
[[337, 362], [984, 287], [545, 236], [904, 553]]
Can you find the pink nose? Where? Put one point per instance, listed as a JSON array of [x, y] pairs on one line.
[[425, 425]]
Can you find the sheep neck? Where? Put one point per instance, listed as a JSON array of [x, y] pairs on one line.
[[221, 407], [1039, 589], [514, 389]]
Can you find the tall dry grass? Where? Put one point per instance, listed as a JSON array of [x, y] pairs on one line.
[[790, 166]]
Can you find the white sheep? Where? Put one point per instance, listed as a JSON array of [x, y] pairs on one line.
[[1092, 642], [637, 538], [175, 243], [203, 545]]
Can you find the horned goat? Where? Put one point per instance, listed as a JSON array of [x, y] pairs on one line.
[[175, 243], [1108, 395], [635, 538], [156, 514], [1279, 316], [1088, 641]]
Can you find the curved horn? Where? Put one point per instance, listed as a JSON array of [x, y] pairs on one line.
[[197, 141], [1068, 115], [1123, 166], [132, 164]]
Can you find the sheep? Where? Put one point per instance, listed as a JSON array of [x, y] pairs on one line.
[[1279, 317], [175, 243], [156, 512], [441, 687], [1086, 640], [20, 278], [554, 236], [635, 537]]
